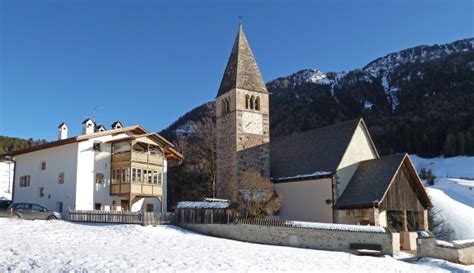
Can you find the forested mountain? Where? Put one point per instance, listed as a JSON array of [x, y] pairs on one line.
[[11, 143], [419, 100]]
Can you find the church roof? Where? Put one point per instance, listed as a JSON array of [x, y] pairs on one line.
[[241, 71], [317, 150], [372, 180]]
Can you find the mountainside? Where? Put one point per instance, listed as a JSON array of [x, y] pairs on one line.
[[419, 100], [8, 144]]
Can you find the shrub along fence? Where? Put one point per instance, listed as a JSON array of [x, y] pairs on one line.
[[121, 217]]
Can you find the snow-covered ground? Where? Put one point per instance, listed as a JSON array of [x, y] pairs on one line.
[[457, 167], [451, 195], [63, 246]]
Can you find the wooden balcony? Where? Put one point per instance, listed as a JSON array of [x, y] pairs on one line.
[[136, 156], [144, 189]]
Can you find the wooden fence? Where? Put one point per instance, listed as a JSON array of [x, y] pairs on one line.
[[206, 216], [120, 217]]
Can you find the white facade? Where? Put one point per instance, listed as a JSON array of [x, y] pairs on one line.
[[6, 179], [77, 163]]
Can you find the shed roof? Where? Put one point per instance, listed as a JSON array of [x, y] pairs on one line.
[[372, 179], [317, 150]]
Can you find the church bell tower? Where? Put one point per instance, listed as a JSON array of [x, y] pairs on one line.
[[242, 120]]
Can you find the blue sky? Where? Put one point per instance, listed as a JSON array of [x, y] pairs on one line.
[[149, 62]]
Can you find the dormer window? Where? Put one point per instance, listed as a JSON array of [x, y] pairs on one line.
[[116, 125]]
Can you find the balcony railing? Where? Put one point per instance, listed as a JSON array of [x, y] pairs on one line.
[[137, 156], [136, 188]]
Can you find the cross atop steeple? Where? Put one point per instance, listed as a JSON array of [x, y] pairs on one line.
[[241, 71]]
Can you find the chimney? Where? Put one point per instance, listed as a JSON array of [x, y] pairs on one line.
[[62, 131], [116, 125], [88, 126]]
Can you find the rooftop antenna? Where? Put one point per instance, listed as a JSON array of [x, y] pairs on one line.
[[95, 112]]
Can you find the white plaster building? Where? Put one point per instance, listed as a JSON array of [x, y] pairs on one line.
[[6, 179], [124, 168]]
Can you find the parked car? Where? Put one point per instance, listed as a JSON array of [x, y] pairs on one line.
[[4, 204], [32, 212]]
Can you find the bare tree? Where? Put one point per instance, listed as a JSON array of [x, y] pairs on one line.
[[195, 177], [257, 196]]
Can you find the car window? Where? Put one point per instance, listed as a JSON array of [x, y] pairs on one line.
[[38, 208], [21, 206]]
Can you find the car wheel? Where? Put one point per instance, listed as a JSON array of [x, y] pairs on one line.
[[52, 217]]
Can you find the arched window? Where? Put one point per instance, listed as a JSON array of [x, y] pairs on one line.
[[227, 105], [247, 101], [223, 107], [252, 101], [257, 103]]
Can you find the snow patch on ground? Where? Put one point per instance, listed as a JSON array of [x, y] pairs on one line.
[[453, 197], [54, 246], [459, 166]]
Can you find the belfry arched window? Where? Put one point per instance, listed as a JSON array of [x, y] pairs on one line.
[[252, 101], [247, 98], [227, 105], [257, 103], [223, 107]]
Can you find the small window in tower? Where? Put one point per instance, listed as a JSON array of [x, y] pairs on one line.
[[247, 101], [223, 107], [257, 103], [227, 106], [252, 101]]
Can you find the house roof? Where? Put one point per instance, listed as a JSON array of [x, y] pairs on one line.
[[241, 71], [115, 123], [135, 129], [372, 179], [317, 150], [87, 119]]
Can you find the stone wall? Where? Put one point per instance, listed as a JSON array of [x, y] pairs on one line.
[[334, 240], [428, 246]]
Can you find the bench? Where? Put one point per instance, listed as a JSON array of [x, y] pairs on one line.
[[366, 249]]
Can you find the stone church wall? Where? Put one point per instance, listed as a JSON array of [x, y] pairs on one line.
[[334, 240]]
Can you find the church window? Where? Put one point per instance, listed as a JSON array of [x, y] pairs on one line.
[[252, 100], [223, 107], [247, 101], [257, 103], [227, 106]]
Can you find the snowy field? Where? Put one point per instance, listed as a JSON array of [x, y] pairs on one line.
[[451, 195], [60, 246]]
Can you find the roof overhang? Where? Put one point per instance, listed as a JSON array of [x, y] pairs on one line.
[[137, 130]]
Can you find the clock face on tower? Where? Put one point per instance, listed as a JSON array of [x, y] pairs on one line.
[[252, 123]]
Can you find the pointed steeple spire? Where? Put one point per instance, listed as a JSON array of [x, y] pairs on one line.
[[241, 71]]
